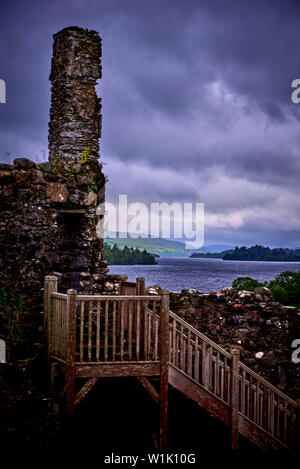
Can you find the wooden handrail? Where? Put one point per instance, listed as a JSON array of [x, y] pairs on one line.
[[244, 367], [60, 296], [188, 326], [250, 399], [199, 334], [267, 384], [117, 297], [126, 329], [228, 355]]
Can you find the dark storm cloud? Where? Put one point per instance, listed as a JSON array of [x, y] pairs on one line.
[[196, 102]]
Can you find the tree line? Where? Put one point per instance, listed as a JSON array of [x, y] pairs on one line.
[[127, 256], [261, 253]]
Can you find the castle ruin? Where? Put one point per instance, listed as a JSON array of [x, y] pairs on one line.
[[49, 210]]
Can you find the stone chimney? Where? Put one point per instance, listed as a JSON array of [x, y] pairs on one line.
[[75, 119], [49, 223]]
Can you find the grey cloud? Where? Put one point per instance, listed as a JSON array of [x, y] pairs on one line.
[[189, 89]]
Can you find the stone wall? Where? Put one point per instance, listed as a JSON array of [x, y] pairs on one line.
[[75, 119], [261, 328], [48, 226]]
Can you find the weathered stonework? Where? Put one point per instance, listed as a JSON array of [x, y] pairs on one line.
[[48, 225], [253, 322], [49, 211], [75, 119]]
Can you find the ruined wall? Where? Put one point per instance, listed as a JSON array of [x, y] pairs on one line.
[[253, 322], [48, 225], [49, 211], [75, 120]]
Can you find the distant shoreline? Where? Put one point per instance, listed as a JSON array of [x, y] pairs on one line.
[[237, 260], [255, 253]]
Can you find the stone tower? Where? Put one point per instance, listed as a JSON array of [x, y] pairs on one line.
[[48, 211], [75, 119]]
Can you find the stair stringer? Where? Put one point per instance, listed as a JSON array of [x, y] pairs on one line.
[[219, 409]]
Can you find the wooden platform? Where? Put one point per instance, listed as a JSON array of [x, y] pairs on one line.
[[93, 337]]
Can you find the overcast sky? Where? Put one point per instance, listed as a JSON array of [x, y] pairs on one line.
[[196, 104]]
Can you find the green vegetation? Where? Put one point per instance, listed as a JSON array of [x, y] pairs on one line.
[[255, 253], [210, 255], [162, 247], [11, 306], [127, 256], [92, 186], [158, 246], [281, 295], [285, 287], [246, 283], [85, 155], [57, 164], [261, 253]]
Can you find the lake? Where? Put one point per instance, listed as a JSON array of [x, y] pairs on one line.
[[205, 275]]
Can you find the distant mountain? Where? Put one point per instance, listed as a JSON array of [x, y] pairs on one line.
[[160, 246], [215, 248]]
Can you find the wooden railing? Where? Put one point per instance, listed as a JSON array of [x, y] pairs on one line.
[[267, 406], [200, 358], [221, 373], [58, 326], [100, 328], [118, 328], [84, 330], [107, 328]]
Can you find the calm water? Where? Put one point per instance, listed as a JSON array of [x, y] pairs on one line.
[[201, 274]]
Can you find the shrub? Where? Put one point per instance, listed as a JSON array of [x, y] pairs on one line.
[[280, 294], [11, 306], [290, 282], [246, 283]]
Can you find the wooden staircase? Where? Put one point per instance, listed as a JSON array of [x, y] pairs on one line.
[[231, 391], [93, 337]]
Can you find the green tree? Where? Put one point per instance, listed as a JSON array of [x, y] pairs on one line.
[[246, 283], [127, 256], [287, 284]]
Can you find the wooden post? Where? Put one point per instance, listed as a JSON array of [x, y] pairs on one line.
[[54, 366], [140, 290], [235, 398], [122, 279], [50, 286], [140, 286], [164, 368], [71, 350], [205, 365]]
